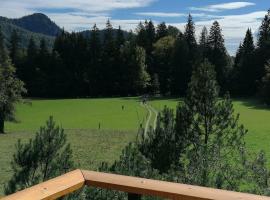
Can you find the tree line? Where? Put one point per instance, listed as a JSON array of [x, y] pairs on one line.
[[202, 143], [155, 59]]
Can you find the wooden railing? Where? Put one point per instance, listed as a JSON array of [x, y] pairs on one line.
[[135, 187]]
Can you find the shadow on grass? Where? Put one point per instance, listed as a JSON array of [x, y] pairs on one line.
[[253, 103]]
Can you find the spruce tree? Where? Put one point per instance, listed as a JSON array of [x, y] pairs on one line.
[[162, 30], [180, 64], [3, 52], [217, 54], [265, 90], [14, 48], [203, 42], [108, 61], [93, 72], [46, 156], [190, 33], [262, 54], [244, 68]]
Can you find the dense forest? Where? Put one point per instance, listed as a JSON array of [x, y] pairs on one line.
[[153, 59]]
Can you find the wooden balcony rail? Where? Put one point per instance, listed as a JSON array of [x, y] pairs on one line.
[[74, 180]]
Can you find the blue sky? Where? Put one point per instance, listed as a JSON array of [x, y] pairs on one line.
[[74, 15]]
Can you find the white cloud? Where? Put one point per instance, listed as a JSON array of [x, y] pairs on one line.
[[11, 8], [160, 14], [224, 6]]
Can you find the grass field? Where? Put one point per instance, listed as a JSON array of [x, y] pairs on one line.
[[81, 114], [80, 118]]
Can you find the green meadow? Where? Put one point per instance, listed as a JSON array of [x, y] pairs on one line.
[[119, 119]]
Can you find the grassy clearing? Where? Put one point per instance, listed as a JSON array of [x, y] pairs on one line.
[[80, 118], [81, 114]]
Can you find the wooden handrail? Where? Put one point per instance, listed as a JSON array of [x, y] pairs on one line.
[[74, 180], [51, 189]]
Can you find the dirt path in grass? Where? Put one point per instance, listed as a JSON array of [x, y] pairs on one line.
[[151, 111]]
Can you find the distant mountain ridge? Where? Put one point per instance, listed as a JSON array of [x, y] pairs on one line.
[[38, 23], [38, 26], [8, 26]]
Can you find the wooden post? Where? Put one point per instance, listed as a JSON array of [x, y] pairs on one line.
[[132, 196]]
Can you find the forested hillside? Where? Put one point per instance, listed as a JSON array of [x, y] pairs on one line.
[[155, 59], [8, 27], [38, 23]]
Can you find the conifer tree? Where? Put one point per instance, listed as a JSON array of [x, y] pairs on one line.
[[11, 88], [180, 65], [244, 68], [265, 90], [162, 30], [217, 54], [94, 75], [109, 63], [216, 155], [190, 33], [263, 51], [46, 156], [14, 48], [203, 42]]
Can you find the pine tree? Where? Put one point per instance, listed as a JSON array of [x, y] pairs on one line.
[[94, 75], [29, 71], [14, 48], [217, 54], [108, 54], [46, 156], [3, 53], [265, 90], [216, 155], [262, 54], [180, 70], [162, 30], [190, 33], [120, 38], [203, 42], [264, 31], [244, 69]]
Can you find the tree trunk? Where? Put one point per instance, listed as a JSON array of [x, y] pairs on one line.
[[2, 124]]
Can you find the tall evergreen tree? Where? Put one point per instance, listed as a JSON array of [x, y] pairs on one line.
[[180, 68], [14, 48], [94, 75], [162, 30], [244, 71], [190, 33], [109, 62], [217, 54], [262, 53], [3, 52], [216, 155], [203, 42], [265, 90]]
